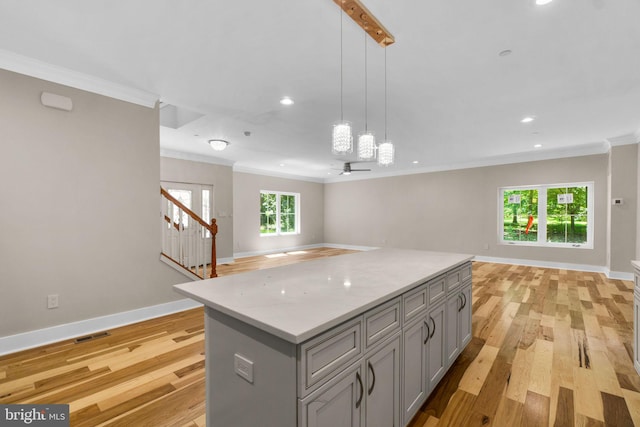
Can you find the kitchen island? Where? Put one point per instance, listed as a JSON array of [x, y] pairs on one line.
[[352, 340]]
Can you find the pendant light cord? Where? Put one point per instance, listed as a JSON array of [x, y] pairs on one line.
[[385, 94], [365, 84], [341, 77]]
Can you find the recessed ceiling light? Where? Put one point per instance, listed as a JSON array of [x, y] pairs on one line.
[[286, 101], [537, 146], [505, 52], [415, 162], [543, 2], [281, 164], [218, 144], [528, 119]]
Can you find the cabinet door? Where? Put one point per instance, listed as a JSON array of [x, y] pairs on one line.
[[414, 383], [465, 317], [454, 303], [436, 360], [382, 386], [337, 403]]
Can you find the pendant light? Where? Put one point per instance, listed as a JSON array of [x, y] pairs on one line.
[[366, 139], [386, 150], [342, 142]]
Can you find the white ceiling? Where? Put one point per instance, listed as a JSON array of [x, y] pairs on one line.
[[452, 100]]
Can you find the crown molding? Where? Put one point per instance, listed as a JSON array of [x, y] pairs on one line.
[[181, 155], [265, 172], [524, 157], [628, 139], [34, 68]]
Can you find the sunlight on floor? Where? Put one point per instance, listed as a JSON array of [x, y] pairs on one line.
[[278, 255], [281, 254]]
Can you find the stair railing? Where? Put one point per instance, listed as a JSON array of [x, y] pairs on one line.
[[185, 238]]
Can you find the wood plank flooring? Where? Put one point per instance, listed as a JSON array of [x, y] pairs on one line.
[[550, 348]]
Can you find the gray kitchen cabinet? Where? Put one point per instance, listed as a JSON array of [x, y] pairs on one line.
[[465, 316], [382, 386], [436, 360], [414, 368], [458, 321], [365, 394], [337, 403], [424, 362]]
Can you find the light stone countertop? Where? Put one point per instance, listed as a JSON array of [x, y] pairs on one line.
[[636, 265], [296, 302]]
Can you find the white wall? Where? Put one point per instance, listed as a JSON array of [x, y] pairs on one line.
[[457, 211], [221, 178], [79, 197], [246, 213]]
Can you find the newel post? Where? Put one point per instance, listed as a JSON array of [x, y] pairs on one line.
[[214, 232]]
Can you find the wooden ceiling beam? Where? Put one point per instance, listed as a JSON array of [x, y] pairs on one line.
[[361, 15]]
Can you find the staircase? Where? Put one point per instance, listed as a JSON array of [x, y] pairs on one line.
[[188, 241]]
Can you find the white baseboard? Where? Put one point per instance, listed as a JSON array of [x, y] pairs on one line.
[[353, 247], [24, 341], [619, 275], [224, 260]]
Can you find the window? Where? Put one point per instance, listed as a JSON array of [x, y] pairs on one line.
[[558, 215], [279, 213]]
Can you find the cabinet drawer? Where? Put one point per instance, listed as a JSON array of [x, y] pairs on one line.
[[465, 272], [437, 289], [454, 279], [326, 354], [382, 322], [414, 303]]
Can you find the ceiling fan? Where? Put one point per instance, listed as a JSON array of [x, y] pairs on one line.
[[346, 169]]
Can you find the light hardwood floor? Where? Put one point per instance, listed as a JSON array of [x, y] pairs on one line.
[[550, 347]]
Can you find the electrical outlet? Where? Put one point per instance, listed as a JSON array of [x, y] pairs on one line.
[[243, 367], [52, 301]]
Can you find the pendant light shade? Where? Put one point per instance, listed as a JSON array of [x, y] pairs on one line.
[[386, 150], [366, 146], [342, 139], [366, 139], [386, 153]]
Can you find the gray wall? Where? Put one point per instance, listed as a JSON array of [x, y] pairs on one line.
[[457, 211], [637, 255], [221, 178], [623, 170], [79, 209], [246, 212]]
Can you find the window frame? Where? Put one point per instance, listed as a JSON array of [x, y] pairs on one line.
[[278, 195], [542, 215]]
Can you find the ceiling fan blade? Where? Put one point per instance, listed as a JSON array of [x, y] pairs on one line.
[[360, 170]]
